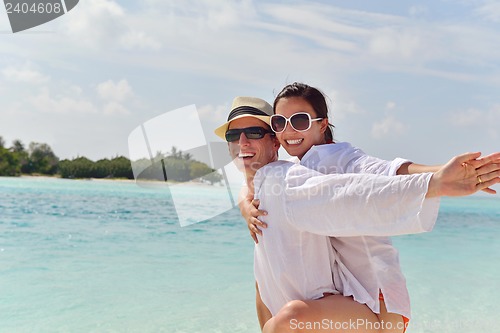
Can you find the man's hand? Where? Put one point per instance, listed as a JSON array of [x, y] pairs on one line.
[[250, 212]]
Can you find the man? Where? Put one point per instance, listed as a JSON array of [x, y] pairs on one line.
[[294, 260]]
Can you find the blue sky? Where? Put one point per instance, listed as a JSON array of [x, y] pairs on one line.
[[413, 79]]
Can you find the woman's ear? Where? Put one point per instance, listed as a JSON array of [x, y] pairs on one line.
[[324, 125], [276, 143]]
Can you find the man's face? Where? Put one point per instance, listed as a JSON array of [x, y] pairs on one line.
[[252, 154]]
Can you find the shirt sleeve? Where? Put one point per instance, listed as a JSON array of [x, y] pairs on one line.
[[344, 158], [373, 165], [358, 205], [355, 160]]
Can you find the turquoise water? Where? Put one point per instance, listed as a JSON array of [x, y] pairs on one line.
[[98, 256]]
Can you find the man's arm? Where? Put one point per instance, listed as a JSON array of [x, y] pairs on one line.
[[249, 211]]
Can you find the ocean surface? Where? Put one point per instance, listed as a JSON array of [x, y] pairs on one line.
[[109, 256]]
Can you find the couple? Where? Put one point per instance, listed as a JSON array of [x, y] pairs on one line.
[[302, 279]]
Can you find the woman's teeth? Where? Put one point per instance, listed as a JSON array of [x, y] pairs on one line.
[[294, 142]]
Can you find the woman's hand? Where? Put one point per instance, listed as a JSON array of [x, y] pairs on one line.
[[250, 212], [485, 159], [412, 168], [466, 174]]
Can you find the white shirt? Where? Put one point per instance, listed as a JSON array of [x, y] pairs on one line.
[[294, 259], [371, 262]]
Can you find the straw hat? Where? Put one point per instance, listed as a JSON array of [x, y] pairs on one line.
[[246, 107]]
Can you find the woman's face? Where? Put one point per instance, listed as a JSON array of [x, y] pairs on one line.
[[298, 143]]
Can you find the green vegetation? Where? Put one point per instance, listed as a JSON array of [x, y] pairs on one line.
[[39, 159], [176, 166], [82, 167]]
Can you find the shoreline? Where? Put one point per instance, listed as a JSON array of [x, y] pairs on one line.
[[118, 180]]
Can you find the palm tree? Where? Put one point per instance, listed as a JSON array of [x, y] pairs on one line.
[[17, 146], [175, 153]]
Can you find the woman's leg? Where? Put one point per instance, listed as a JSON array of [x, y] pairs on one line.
[[392, 322], [334, 313], [263, 312]]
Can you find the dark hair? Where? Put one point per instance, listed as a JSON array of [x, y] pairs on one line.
[[313, 96]]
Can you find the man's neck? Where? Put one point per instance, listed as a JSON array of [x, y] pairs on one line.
[[249, 180]]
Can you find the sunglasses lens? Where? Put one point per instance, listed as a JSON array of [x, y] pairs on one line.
[[250, 133], [254, 133], [300, 121], [233, 135], [278, 123]]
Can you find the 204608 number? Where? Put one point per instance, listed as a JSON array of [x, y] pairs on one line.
[[35, 8]]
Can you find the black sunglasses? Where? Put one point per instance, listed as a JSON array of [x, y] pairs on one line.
[[250, 132]]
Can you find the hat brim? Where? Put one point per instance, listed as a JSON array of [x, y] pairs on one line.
[[221, 130]]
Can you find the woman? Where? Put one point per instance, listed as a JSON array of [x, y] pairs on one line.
[[302, 128]]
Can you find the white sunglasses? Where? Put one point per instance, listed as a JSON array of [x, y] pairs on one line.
[[300, 121]]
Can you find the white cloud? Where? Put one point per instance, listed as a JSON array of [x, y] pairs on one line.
[[469, 45], [115, 93], [385, 42], [212, 117], [390, 126], [395, 43], [314, 23], [61, 104], [390, 105], [119, 91], [479, 125], [24, 74], [486, 120], [329, 18], [341, 106], [114, 108], [75, 90], [417, 10], [216, 37], [208, 14], [355, 33], [224, 14], [96, 22], [490, 11], [216, 113], [468, 117], [99, 23], [134, 39]]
